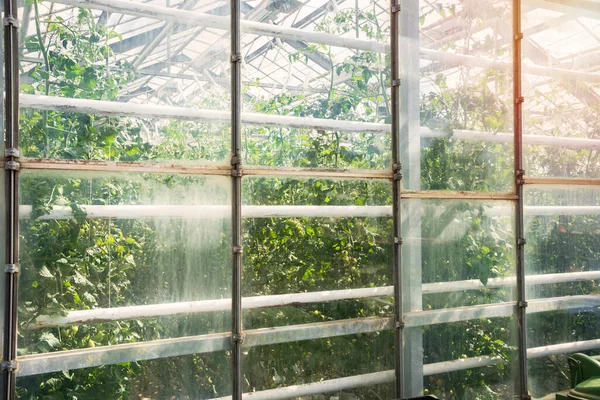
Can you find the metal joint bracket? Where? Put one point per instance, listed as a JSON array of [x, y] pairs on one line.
[[236, 57], [519, 36], [236, 160], [237, 338], [11, 152], [397, 82], [521, 241], [236, 173], [237, 250], [9, 366], [12, 268], [9, 20], [397, 168], [519, 174], [396, 9], [519, 100], [399, 241], [400, 325], [522, 304], [12, 165]]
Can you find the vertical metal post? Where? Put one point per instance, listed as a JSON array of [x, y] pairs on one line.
[[397, 202], [519, 181], [236, 173], [410, 146], [11, 166]]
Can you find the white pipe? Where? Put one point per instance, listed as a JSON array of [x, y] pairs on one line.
[[183, 17], [129, 211], [210, 211], [315, 388], [414, 318], [108, 108], [356, 381], [97, 315]]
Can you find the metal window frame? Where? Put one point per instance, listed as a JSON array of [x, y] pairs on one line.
[[402, 318]]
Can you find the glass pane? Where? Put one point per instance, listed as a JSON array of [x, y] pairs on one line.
[[99, 85], [94, 245], [298, 363], [561, 88], [465, 96], [198, 376], [317, 236], [463, 251], [321, 92], [482, 359], [561, 226]]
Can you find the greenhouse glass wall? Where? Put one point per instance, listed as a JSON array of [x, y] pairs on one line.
[[299, 199]]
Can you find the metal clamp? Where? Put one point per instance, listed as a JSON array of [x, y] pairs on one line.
[[519, 174], [397, 82], [519, 100], [519, 36], [9, 365], [12, 268], [236, 160], [522, 304], [521, 241], [237, 249], [236, 173], [237, 338], [396, 8], [397, 168], [12, 152], [236, 57], [12, 165], [399, 325], [399, 241], [9, 20]]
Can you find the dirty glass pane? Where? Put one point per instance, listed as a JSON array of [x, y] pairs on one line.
[[318, 236], [105, 85], [94, 245], [561, 227], [196, 376], [562, 89], [320, 92], [297, 363], [465, 135]]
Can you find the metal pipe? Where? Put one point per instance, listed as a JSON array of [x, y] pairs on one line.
[[108, 108], [98, 315], [36, 364], [519, 212], [397, 200], [236, 214], [11, 166]]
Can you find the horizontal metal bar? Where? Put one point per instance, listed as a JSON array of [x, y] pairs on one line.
[[530, 180], [91, 357], [219, 169], [210, 168]]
